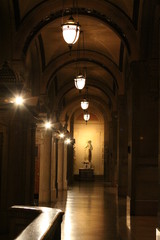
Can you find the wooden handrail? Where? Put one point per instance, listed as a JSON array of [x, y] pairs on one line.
[[35, 223]]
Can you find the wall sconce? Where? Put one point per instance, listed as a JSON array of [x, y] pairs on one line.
[[61, 135], [68, 141], [71, 29], [18, 100], [48, 125]]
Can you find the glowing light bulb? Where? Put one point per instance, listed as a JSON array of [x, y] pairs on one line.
[[68, 141], [48, 125], [71, 31], [18, 100], [61, 135]]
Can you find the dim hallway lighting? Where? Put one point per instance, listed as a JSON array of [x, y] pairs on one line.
[[48, 125], [86, 117], [68, 141], [84, 104], [61, 135], [71, 31], [18, 100], [80, 81], [71, 28]]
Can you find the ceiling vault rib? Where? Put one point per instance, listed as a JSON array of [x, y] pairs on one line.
[[16, 13], [86, 50], [87, 60], [119, 8], [43, 60], [82, 11], [121, 57], [136, 13]]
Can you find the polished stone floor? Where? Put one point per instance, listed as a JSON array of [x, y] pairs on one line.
[[94, 212]]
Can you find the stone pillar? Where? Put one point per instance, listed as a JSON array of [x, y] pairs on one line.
[[143, 139], [21, 159], [17, 164], [70, 163], [65, 167], [60, 164], [106, 149], [122, 155], [108, 166], [45, 168], [53, 169], [159, 136], [114, 152]]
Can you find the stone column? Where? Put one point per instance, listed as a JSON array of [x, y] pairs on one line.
[[60, 164], [159, 137], [17, 164], [70, 162], [53, 169], [65, 167], [122, 155], [143, 139], [108, 165], [114, 153], [45, 168]]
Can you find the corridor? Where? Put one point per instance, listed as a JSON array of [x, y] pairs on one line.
[[93, 212]]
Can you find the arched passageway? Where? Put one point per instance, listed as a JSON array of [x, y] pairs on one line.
[[117, 50]]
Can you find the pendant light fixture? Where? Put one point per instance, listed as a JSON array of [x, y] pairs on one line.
[[71, 29], [86, 116], [80, 79], [85, 102]]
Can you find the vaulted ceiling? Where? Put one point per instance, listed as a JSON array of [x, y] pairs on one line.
[[108, 38]]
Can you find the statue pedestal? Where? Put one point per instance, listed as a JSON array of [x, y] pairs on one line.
[[86, 164], [86, 174]]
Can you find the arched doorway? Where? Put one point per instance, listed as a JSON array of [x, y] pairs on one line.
[[92, 131]]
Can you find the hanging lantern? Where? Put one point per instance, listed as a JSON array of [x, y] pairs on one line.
[[80, 82], [84, 104], [71, 31], [86, 116]]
